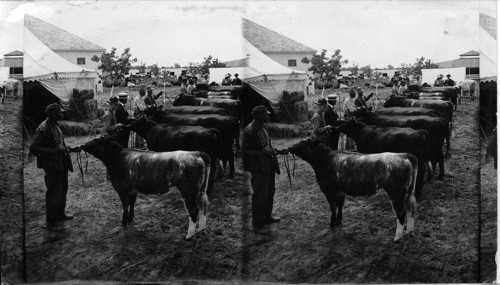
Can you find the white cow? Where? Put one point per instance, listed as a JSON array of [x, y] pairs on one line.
[[469, 87]]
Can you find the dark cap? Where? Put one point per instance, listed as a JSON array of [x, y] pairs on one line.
[[113, 100], [448, 75], [321, 101], [236, 74], [149, 88], [259, 111], [53, 108]]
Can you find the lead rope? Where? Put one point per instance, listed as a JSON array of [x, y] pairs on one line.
[[286, 162], [80, 166]]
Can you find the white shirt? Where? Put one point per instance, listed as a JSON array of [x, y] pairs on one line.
[[139, 103]]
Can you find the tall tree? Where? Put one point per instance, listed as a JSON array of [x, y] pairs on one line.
[[142, 68], [390, 67], [115, 66], [324, 68], [203, 68], [422, 63], [177, 65], [367, 71], [155, 70], [354, 69]]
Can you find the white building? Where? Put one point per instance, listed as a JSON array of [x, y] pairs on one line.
[[70, 47]]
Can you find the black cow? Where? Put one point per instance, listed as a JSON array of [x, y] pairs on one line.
[[197, 110], [233, 106], [407, 111], [373, 139], [339, 173], [437, 128], [227, 125], [445, 108], [162, 138], [449, 93], [147, 172]]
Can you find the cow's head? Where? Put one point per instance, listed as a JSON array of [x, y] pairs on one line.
[[140, 125], [346, 127], [388, 101], [102, 147], [309, 149]]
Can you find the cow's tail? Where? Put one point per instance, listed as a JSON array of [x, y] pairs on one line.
[[202, 200], [412, 181]]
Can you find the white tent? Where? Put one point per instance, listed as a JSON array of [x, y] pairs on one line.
[[488, 56], [53, 72], [429, 75], [264, 75]]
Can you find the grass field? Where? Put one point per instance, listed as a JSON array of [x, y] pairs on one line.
[[453, 239]]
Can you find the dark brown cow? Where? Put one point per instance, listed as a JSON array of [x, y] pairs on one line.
[[197, 110], [437, 128], [445, 108], [235, 107], [227, 125], [147, 172], [340, 173], [373, 139], [407, 111], [162, 138]]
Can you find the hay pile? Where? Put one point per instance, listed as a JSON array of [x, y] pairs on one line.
[[70, 128], [279, 130], [293, 108], [83, 106]]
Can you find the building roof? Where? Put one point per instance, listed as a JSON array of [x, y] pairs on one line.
[[56, 38], [489, 24], [13, 62], [461, 62], [14, 53], [269, 41], [237, 63], [470, 53]]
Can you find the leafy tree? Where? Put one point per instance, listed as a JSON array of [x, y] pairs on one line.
[[203, 68], [390, 67], [367, 71], [177, 65], [324, 68], [354, 69], [422, 63], [116, 66], [155, 70], [142, 68]]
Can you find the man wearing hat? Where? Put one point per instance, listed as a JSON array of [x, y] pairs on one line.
[[318, 119], [150, 99], [439, 81], [361, 99], [259, 158], [114, 118], [227, 80], [53, 157], [331, 118], [449, 81], [236, 80], [350, 104]]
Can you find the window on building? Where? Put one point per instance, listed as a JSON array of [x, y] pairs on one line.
[[80, 60], [292, 62], [472, 70], [16, 70]]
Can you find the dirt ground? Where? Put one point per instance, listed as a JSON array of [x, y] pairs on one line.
[[452, 242]]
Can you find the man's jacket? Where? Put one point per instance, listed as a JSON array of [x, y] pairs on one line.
[[43, 146], [256, 163]]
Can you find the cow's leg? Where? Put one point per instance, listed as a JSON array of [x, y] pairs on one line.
[[410, 206], [202, 203], [211, 176], [124, 199], [333, 208], [132, 197], [340, 205], [189, 193], [397, 203]]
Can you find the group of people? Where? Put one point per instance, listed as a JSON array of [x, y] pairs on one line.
[[227, 81], [439, 82]]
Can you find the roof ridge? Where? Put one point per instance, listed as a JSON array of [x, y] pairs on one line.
[[57, 38], [267, 40]]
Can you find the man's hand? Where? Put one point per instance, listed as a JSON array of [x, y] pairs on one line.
[[59, 149], [75, 149]]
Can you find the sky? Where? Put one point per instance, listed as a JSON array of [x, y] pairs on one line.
[[375, 33]]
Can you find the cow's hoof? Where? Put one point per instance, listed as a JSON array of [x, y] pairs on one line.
[[188, 238]]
